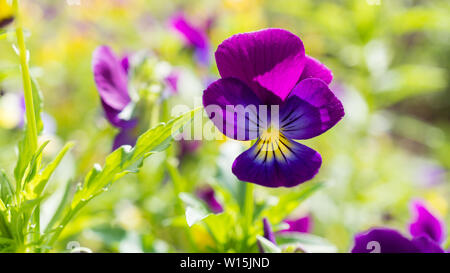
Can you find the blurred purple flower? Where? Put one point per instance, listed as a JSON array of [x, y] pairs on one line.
[[302, 224], [426, 224], [207, 195], [426, 230], [111, 79], [187, 147], [6, 21], [268, 234], [194, 37], [269, 67], [172, 82]]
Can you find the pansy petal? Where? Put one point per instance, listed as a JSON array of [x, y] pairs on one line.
[[124, 137], [268, 233], [233, 108], [110, 77], [193, 36], [277, 163], [302, 224], [113, 116], [315, 69], [310, 110], [208, 196], [268, 61], [426, 224], [427, 245], [383, 240], [125, 63]]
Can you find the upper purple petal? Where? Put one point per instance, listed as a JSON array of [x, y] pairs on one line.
[[383, 240], [110, 78], [427, 245], [426, 224], [302, 224], [277, 163], [269, 61], [314, 69], [226, 102], [310, 110]]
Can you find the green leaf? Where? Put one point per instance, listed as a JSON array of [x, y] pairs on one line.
[[267, 245], [290, 200], [195, 209], [306, 242], [40, 181], [6, 188], [126, 159], [33, 166], [120, 162]]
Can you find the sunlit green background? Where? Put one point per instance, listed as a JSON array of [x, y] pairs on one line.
[[390, 61]]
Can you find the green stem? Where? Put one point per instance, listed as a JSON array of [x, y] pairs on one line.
[[154, 115], [28, 93], [248, 211]]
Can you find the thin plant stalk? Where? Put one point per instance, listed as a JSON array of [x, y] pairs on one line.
[[28, 92]]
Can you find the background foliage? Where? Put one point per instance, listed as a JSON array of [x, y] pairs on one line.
[[391, 70]]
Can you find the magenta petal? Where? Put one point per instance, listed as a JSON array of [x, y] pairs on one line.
[[220, 100], [426, 224], [427, 245], [302, 224], [314, 69], [282, 164], [111, 79], [266, 60], [310, 110], [383, 240]]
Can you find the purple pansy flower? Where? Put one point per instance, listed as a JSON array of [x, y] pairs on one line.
[[302, 224], [426, 230], [270, 68], [194, 37], [208, 196], [111, 79]]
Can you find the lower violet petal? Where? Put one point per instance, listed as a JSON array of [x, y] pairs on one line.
[[276, 161]]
